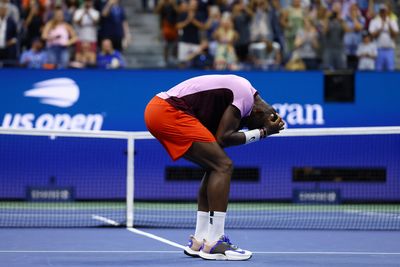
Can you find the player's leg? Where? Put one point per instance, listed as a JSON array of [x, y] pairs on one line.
[[212, 157], [202, 199], [196, 240]]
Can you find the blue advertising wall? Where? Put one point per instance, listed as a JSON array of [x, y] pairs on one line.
[[119, 98], [115, 100]]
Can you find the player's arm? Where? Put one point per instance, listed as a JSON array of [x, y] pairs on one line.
[[227, 132]]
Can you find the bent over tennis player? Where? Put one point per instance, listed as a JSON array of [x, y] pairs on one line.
[[197, 119]]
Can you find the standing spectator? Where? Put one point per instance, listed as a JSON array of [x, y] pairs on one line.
[[59, 36], [190, 25], [292, 21], [8, 37], [242, 16], [35, 57], [260, 28], [85, 20], [334, 56], [225, 36], [114, 25], [275, 17], [367, 53], [319, 14], [212, 24], [224, 5], [168, 12], [12, 11], [71, 7], [109, 58], [33, 22], [306, 44], [352, 38], [384, 30]]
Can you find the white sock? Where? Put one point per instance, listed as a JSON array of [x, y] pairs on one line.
[[201, 226], [216, 226]]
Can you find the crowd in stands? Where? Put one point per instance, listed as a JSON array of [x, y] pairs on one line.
[[205, 34], [56, 34], [279, 34]]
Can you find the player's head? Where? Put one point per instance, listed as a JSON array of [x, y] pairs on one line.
[[260, 115]]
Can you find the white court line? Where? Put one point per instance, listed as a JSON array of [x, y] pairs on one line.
[[175, 251], [158, 238], [171, 243], [105, 220], [89, 251], [139, 232]]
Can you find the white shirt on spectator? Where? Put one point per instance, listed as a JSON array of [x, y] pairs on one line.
[[384, 40], [3, 37], [366, 63], [87, 30]]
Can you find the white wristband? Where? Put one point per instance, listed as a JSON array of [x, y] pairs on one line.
[[252, 136]]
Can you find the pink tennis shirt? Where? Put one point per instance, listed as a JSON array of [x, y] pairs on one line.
[[207, 97]]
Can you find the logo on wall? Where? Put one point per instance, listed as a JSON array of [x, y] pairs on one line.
[[298, 114], [60, 93]]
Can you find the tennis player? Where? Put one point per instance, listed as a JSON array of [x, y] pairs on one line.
[[197, 119]]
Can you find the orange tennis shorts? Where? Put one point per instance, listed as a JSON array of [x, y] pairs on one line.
[[175, 129]]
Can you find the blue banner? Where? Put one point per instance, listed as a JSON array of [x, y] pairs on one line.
[[115, 100]]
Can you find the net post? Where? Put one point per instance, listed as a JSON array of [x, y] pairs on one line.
[[130, 181]]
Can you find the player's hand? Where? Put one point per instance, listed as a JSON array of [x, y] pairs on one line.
[[274, 124]]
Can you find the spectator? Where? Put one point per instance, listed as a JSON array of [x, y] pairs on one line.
[[59, 36], [317, 7], [71, 7], [12, 11], [224, 5], [32, 24], [242, 16], [266, 55], [203, 7], [168, 12], [35, 57], [292, 21], [275, 17], [334, 56], [190, 25], [114, 25], [384, 29], [352, 38], [202, 58], [319, 14], [8, 37], [108, 58], [225, 36], [26, 4], [306, 45], [260, 28], [212, 24], [85, 20], [366, 53], [85, 57]]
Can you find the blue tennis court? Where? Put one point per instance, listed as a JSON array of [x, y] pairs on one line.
[[61, 205], [120, 247]]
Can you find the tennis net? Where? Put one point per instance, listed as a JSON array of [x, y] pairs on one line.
[[335, 178]]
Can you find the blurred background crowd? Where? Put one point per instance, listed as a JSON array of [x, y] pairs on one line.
[[201, 34], [63, 33]]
